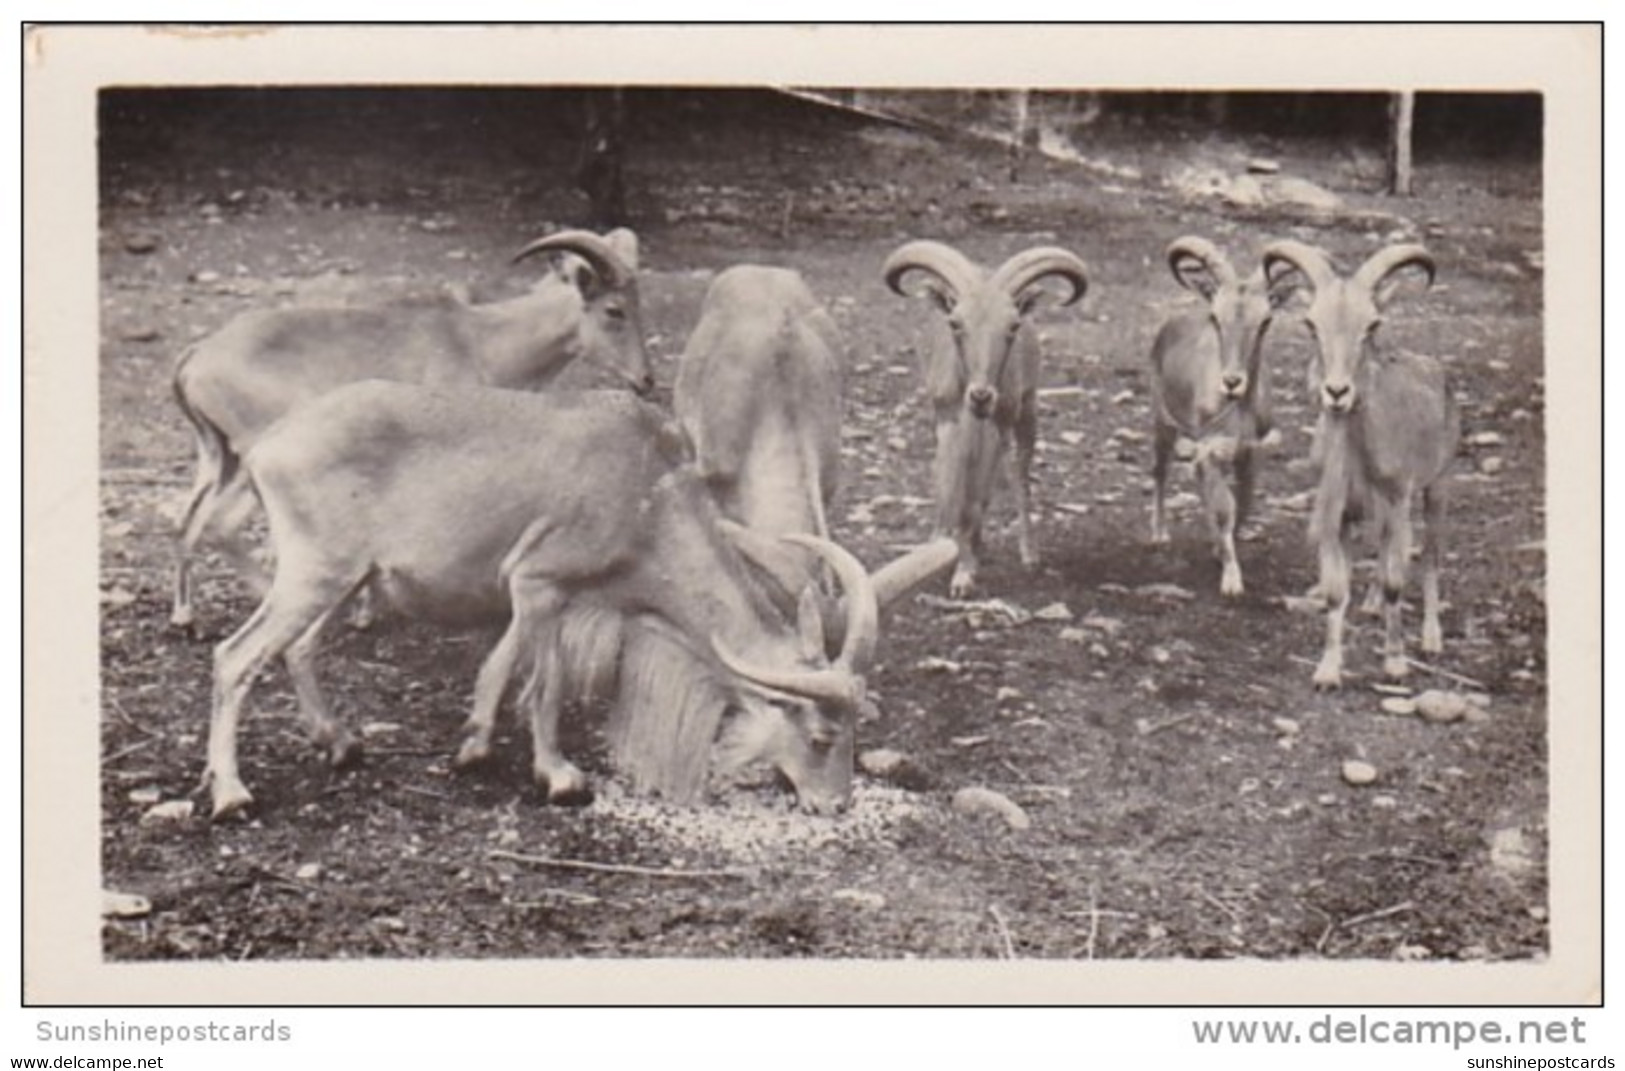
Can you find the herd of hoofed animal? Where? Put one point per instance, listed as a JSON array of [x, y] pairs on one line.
[[680, 568]]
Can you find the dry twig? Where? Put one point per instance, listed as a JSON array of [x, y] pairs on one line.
[[613, 868]]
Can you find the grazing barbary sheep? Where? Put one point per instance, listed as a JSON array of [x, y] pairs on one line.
[[759, 394], [983, 380], [234, 384], [571, 517], [1209, 389], [1388, 429]]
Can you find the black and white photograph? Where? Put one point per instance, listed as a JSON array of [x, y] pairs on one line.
[[824, 515]]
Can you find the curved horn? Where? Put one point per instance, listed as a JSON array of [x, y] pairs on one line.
[[948, 265], [1206, 253], [833, 685], [898, 577], [589, 247], [1384, 262], [1315, 265], [1030, 265], [862, 602]]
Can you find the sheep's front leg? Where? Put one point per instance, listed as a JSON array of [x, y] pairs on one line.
[[1334, 589], [1026, 436]]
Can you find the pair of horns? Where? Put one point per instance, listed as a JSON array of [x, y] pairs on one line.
[[1313, 263], [955, 272], [841, 682], [599, 254]]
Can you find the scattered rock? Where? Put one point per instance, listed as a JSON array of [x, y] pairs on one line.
[[1356, 772], [881, 761], [1055, 611], [206, 277], [933, 664], [140, 244], [1123, 397], [1486, 438], [1391, 689], [1509, 852], [969, 741], [1258, 165], [1408, 953], [872, 901], [146, 796], [379, 728], [140, 333], [1287, 726], [117, 597], [173, 811], [1441, 706], [1491, 466], [1007, 695], [308, 872], [120, 905], [978, 800], [1399, 705]]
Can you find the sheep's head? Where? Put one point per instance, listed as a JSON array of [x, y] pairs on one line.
[[603, 271], [985, 314], [1344, 314], [1240, 310]]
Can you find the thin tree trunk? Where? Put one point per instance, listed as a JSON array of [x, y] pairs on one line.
[[1400, 110]]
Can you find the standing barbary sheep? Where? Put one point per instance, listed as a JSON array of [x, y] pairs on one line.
[[1388, 429], [983, 380], [570, 517], [237, 382], [1209, 388]]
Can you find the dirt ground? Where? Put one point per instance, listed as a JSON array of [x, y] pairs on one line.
[[1183, 780]]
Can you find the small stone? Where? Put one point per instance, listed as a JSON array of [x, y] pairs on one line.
[[1399, 705], [1486, 438], [1356, 772], [120, 905], [978, 800], [206, 277], [379, 728], [1159, 655], [969, 741], [1408, 953], [881, 761], [1123, 397], [871, 901], [308, 872], [1007, 695], [1287, 726], [933, 664], [146, 796], [173, 811], [140, 244], [1384, 802], [1055, 611], [1491, 466], [140, 333], [1441, 706], [1259, 165], [1172, 592], [1073, 635]]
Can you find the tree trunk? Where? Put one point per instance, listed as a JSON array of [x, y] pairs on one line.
[[599, 169], [1400, 109]]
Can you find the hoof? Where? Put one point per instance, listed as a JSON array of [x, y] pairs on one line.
[[345, 751], [1394, 667], [1432, 640], [229, 801], [962, 586], [1328, 678], [564, 786], [473, 752], [1230, 584]]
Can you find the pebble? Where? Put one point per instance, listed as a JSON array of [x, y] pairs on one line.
[[141, 333], [1055, 611], [881, 761], [308, 872], [173, 811], [122, 905], [147, 796], [1441, 706], [1486, 438], [1356, 772], [872, 901], [1491, 466], [206, 277], [140, 244], [1399, 705], [1165, 591], [1287, 726], [978, 800]]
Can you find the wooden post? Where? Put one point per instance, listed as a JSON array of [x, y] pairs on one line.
[[1400, 109], [600, 165], [1021, 105]]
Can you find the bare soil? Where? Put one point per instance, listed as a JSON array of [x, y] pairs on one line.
[[1182, 778]]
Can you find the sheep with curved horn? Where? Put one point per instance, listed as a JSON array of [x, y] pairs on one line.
[[982, 378], [234, 384], [574, 519], [1388, 430], [1209, 392]]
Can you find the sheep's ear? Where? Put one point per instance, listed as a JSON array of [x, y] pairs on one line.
[[625, 245]]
